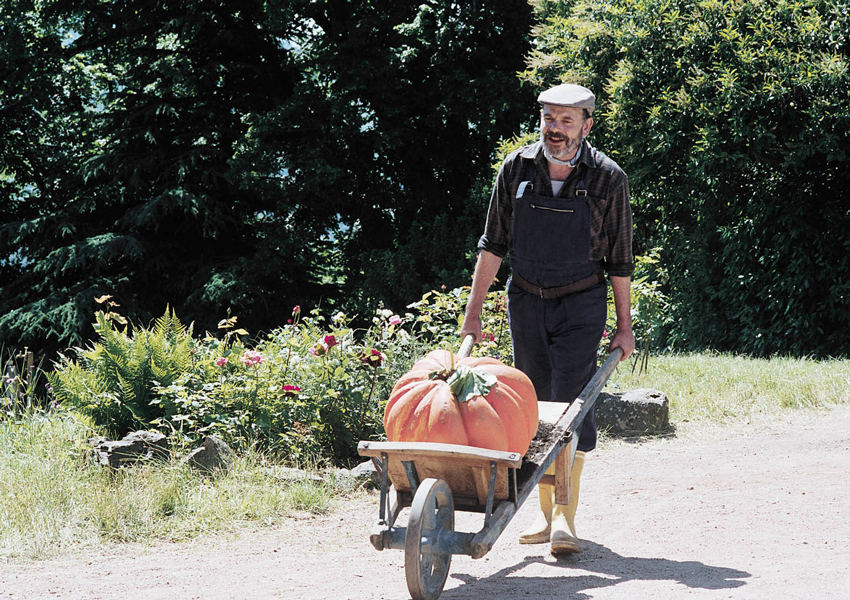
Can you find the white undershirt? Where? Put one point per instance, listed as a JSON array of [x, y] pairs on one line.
[[556, 186]]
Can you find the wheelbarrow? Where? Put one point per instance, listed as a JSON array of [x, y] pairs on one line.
[[435, 480]]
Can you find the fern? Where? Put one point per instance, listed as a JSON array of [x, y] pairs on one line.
[[113, 381]]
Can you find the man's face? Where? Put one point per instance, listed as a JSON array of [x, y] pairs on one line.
[[562, 129]]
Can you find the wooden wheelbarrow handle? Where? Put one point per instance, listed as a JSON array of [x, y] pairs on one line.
[[466, 346]]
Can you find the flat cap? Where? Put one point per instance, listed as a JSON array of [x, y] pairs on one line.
[[570, 95]]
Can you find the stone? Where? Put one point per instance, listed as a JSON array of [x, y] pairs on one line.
[[344, 480], [366, 472], [290, 474], [637, 411], [133, 448], [213, 456]]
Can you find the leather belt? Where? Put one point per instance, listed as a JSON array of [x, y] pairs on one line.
[[548, 293]]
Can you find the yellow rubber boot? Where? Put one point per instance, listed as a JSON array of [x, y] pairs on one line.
[[539, 531], [563, 528]]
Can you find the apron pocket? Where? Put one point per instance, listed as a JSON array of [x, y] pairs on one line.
[[552, 231]]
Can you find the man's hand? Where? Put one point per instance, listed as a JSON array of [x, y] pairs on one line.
[[471, 324], [625, 339]]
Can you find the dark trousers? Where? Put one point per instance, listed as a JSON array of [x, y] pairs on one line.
[[555, 343]]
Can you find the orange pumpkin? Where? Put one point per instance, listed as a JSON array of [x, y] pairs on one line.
[[470, 401]]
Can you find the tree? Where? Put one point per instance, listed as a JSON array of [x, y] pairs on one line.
[[158, 217], [731, 119], [41, 116], [392, 132], [253, 157]]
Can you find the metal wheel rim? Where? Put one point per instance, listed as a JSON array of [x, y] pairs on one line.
[[425, 565]]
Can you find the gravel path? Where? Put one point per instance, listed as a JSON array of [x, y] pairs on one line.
[[758, 510]]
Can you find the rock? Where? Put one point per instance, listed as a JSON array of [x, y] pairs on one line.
[[633, 412], [290, 474], [344, 480], [211, 457], [367, 472], [134, 447]]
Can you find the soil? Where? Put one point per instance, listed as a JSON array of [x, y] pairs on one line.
[[755, 510]]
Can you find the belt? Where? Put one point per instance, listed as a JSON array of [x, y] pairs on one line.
[[556, 292]]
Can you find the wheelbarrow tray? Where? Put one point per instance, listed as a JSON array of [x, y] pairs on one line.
[[465, 468]]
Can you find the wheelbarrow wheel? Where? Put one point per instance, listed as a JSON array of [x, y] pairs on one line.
[[426, 563]]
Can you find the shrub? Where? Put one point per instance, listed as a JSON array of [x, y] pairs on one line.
[[730, 118], [307, 391], [113, 380]]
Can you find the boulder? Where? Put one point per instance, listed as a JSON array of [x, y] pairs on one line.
[[634, 412], [214, 455], [344, 480], [134, 447], [367, 472]]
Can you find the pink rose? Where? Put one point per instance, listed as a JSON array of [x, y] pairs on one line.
[[252, 358], [330, 342], [395, 320], [221, 361]]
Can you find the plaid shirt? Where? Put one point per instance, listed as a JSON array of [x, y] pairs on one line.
[[607, 192]]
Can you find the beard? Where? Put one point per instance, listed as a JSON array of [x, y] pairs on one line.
[[570, 147]]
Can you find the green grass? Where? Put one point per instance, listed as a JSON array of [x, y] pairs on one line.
[[719, 387], [52, 498]]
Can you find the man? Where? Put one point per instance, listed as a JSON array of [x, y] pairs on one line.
[[561, 209]]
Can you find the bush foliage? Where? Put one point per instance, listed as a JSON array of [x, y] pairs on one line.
[[732, 120], [308, 390]]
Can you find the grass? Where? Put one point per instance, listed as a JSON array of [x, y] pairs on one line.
[[53, 499], [722, 387]]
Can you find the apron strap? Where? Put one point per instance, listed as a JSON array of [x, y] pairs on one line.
[[581, 187], [528, 178]]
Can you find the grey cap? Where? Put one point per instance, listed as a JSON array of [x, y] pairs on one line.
[[570, 95]]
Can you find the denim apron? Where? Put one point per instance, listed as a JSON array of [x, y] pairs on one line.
[[555, 341]]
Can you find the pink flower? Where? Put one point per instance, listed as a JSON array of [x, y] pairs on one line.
[[296, 310], [488, 337], [221, 361], [372, 358], [252, 358], [290, 390], [395, 320], [322, 347], [605, 334]]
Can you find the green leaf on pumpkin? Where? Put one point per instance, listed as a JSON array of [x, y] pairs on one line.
[[466, 383]]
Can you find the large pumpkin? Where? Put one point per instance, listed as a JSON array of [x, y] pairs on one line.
[[470, 401]]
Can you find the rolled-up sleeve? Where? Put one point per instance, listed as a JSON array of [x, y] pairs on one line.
[[497, 231]]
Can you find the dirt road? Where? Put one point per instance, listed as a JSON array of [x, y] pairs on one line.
[[752, 511]]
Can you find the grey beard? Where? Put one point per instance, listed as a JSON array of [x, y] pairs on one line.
[[565, 163]]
